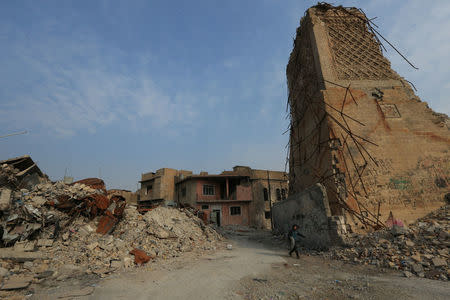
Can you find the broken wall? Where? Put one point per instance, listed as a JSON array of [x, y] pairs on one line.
[[358, 128], [309, 210], [309, 158]]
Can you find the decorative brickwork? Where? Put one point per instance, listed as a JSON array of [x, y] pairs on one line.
[[355, 50]]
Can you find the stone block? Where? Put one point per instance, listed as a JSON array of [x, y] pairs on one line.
[[17, 282], [45, 243], [5, 199], [439, 262]]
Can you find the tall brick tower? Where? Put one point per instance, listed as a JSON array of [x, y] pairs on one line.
[[358, 128]]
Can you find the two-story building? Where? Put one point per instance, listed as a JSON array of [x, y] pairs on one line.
[[159, 186], [224, 198], [243, 196]]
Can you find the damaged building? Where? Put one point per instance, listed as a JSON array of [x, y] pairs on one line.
[[358, 130], [243, 196], [26, 172], [158, 187], [129, 196]]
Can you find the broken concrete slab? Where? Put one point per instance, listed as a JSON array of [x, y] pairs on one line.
[[77, 293], [44, 243], [38, 201], [398, 230], [5, 198], [10, 253], [70, 270], [28, 265], [45, 274], [25, 246], [416, 257], [159, 232], [409, 243], [407, 274], [3, 272], [439, 262], [127, 262], [17, 282], [116, 264], [92, 246]]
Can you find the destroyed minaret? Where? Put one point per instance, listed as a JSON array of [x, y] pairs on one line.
[[358, 128]]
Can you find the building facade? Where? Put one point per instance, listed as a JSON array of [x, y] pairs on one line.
[[243, 196], [159, 186], [224, 199]]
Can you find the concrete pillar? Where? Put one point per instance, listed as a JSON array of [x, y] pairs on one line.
[[227, 188]]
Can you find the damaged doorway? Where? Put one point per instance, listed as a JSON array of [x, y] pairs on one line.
[[215, 216]]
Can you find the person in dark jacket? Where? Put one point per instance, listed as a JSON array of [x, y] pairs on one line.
[[294, 235]]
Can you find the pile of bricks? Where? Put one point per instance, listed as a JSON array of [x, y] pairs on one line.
[[422, 249]]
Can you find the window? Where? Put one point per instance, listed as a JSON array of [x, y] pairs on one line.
[[183, 192], [267, 214], [283, 194], [149, 189], [278, 195], [266, 195], [235, 210], [205, 206], [208, 189]]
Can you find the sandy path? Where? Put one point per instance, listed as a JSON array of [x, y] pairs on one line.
[[231, 274], [211, 277]]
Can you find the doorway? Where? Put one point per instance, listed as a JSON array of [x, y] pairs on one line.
[[215, 216]]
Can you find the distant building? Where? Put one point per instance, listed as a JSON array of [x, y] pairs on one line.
[[243, 196], [159, 186]]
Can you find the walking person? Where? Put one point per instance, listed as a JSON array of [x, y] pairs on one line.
[[293, 238]]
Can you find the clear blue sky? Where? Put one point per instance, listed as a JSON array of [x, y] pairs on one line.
[[127, 87]]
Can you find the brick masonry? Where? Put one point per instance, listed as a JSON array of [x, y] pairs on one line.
[[358, 128]]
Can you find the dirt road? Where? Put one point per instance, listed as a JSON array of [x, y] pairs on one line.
[[256, 268]]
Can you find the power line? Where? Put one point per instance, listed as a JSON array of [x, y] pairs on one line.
[[15, 133]]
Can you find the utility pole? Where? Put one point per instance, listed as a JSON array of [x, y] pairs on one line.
[[270, 200], [15, 133]]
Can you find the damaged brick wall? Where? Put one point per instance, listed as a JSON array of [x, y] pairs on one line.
[[358, 128]]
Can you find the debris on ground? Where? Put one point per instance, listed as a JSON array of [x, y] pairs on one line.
[[422, 249], [20, 172], [55, 231], [140, 257]]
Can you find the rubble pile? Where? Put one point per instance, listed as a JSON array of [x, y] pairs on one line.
[[422, 249], [160, 234], [165, 231], [47, 208], [8, 175], [56, 230]]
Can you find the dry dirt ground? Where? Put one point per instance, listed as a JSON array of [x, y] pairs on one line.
[[257, 267]]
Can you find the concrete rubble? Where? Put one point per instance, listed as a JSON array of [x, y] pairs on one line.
[[54, 231], [422, 249]]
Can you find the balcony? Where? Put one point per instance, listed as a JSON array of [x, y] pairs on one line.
[[238, 193]]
